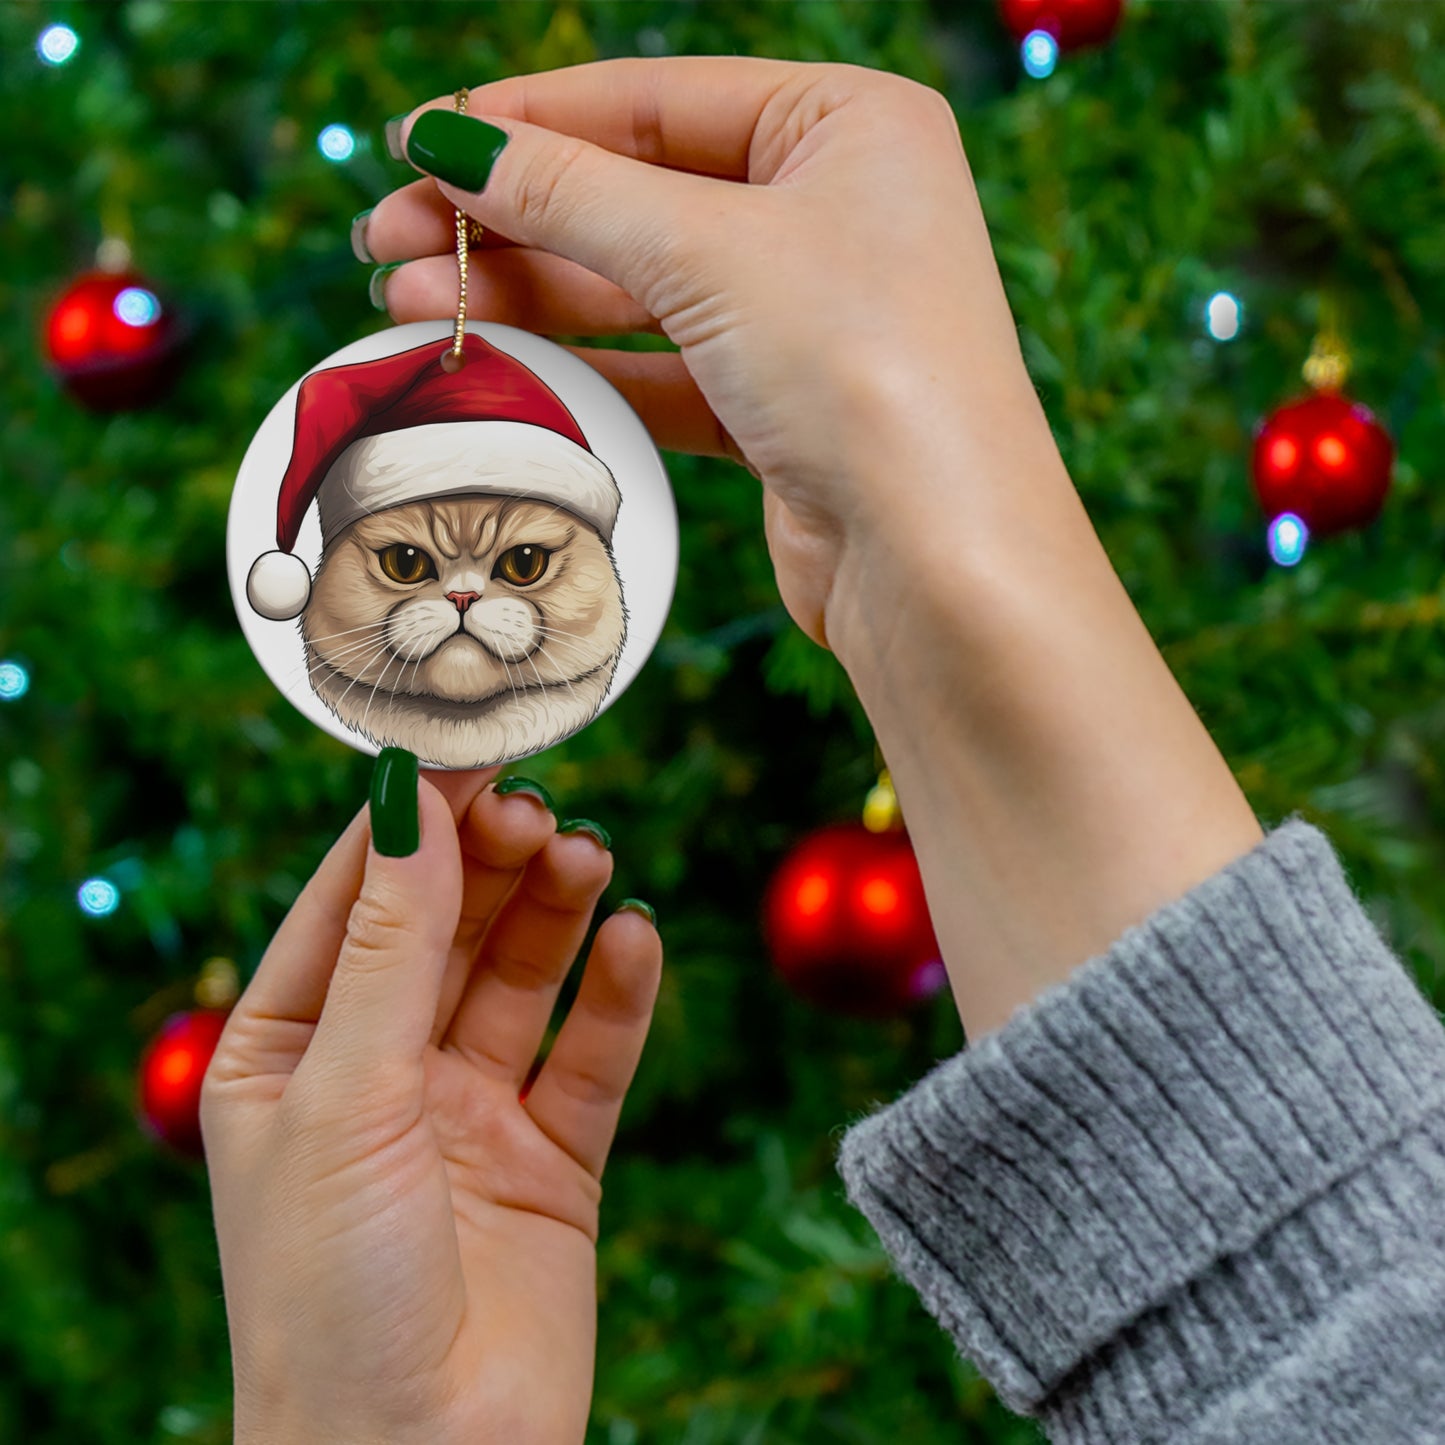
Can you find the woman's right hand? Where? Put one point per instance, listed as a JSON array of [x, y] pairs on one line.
[[810, 237], [842, 326]]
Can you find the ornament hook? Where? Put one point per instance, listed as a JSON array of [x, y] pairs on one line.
[[1328, 366]]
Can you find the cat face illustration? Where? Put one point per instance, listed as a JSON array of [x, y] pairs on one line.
[[468, 629]]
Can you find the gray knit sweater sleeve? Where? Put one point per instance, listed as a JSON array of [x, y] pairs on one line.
[[1196, 1193]]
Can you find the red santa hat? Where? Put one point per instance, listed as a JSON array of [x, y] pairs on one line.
[[402, 428]]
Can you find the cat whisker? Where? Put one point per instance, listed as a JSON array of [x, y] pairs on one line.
[[415, 669], [376, 627], [339, 665], [309, 667], [375, 687], [545, 685], [565, 642], [352, 649], [336, 706]]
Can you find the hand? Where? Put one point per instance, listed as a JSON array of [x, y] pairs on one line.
[[838, 307], [408, 1248], [843, 329]]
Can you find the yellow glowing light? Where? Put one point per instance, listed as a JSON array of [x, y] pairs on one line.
[[879, 897], [812, 895], [177, 1067], [72, 326], [1331, 451], [1283, 454]]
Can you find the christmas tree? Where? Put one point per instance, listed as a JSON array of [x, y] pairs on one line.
[[1179, 215]]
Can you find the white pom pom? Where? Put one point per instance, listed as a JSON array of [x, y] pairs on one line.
[[279, 586]]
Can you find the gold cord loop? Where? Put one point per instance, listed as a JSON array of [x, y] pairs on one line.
[[468, 232]]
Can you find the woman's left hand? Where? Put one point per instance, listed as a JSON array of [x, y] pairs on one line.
[[407, 1244]]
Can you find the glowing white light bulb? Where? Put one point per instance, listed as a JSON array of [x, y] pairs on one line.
[[1223, 316], [57, 44], [98, 897], [1288, 538], [336, 143], [14, 681], [137, 307], [1040, 53]]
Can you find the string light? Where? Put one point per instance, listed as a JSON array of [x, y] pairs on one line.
[[1288, 538], [336, 143], [14, 681], [1040, 52], [57, 44], [1223, 316], [98, 897], [137, 307]]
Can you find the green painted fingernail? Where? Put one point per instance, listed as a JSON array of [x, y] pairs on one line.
[[455, 148], [395, 812], [359, 248], [376, 288], [392, 132], [586, 825], [515, 784], [636, 905]]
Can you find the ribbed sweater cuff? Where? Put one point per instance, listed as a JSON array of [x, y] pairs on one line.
[[1170, 1151]]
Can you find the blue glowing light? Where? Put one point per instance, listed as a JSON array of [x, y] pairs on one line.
[[98, 897], [1288, 538], [336, 143], [1223, 316], [1040, 53], [14, 681], [57, 44], [137, 307]]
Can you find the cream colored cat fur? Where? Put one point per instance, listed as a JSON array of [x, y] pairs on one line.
[[465, 680]]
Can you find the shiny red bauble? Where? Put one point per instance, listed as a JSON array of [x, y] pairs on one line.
[[1326, 459], [171, 1072], [1073, 23], [847, 924], [112, 341]]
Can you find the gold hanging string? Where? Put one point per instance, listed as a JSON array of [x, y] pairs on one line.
[[468, 232]]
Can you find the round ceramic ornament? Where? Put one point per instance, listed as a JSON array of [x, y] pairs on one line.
[[468, 554]]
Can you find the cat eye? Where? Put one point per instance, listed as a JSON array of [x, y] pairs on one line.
[[406, 564], [522, 565]]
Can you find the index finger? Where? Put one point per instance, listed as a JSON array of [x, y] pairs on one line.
[[696, 113]]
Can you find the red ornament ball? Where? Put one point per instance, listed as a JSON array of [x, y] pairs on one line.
[[847, 923], [112, 341], [1073, 23], [171, 1071], [1326, 459]]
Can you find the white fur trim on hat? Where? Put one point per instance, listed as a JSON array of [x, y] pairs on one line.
[[495, 458], [278, 586]]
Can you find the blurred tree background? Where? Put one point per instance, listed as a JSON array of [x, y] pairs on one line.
[[1286, 153]]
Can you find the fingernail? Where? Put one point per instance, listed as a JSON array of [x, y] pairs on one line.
[[359, 248], [395, 820], [636, 905], [507, 786], [393, 136], [376, 287], [455, 148], [586, 825]]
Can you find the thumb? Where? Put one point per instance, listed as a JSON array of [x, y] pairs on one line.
[[382, 1000], [634, 224]]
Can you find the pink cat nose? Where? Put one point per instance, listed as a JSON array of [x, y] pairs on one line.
[[463, 599]]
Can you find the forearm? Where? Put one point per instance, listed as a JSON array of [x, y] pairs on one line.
[[1056, 782]]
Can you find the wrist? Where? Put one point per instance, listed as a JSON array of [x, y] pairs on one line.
[[947, 520], [1057, 784]]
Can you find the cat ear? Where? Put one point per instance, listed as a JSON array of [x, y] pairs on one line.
[[278, 586]]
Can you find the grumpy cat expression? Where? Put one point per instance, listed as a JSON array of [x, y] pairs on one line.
[[470, 630]]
